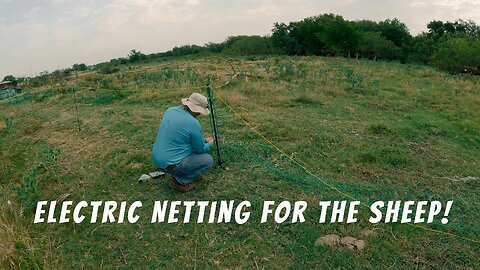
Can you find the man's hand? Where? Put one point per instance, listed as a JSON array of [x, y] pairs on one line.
[[210, 140]]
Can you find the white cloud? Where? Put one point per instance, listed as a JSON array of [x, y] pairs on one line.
[[50, 34], [454, 4]]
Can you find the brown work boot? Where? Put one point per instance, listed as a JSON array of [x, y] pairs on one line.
[[182, 188]]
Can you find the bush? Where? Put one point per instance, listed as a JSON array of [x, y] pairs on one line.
[[250, 45], [458, 54], [28, 192], [109, 69], [79, 67], [11, 79], [374, 46]]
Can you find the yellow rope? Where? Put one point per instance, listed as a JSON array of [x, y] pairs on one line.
[[323, 181], [302, 166]]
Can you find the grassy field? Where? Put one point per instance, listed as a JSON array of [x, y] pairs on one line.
[[377, 131]]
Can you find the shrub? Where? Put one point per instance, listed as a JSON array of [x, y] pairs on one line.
[[250, 45], [109, 69], [458, 54], [28, 192], [375, 46]]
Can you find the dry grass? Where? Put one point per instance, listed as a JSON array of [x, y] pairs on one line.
[[14, 233]]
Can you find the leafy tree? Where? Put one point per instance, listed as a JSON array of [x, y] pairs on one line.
[[395, 31], [250, 45], [438, 29], [10, 78], [435, 29], [376, 46], [469, 28], [318, 35], [281, 41], [135, 56], [79, 67], [458, 54], [421, 49], [215, 47], [338, 35], [366, 26], [187, 50]]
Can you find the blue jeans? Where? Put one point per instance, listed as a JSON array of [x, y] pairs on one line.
[[191, 167]]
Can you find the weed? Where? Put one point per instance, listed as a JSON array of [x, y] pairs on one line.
[[266, 66], [302, 71], [50, 158], [210, 77], [354, 80], [28, 191], [108, 69], [105, 83], [284, 70]]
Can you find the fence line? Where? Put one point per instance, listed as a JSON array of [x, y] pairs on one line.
[[322, 180]]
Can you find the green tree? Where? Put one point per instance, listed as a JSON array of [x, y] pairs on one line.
[[366, 26], [250, 45], [135, 56], [338, 36], [79, 67], [438, 29], [281, 41], [10, 78], [395, 31], [215, 47], [421, 49], [458, 54], [376, 46]]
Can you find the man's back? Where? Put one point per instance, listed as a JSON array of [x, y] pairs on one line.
[[179, 135]]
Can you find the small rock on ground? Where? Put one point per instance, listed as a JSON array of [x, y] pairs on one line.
[[352, 243], [329, 240], [349, 242]]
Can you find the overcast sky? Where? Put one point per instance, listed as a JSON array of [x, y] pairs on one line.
[[44, 35]]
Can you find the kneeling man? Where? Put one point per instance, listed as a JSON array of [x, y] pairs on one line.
[[180, 148]]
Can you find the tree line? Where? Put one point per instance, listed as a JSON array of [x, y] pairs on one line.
[[452, 46]]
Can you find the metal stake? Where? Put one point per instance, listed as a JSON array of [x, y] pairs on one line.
[[214, 123]]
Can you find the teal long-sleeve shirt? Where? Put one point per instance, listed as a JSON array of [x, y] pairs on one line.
[[178, 136]]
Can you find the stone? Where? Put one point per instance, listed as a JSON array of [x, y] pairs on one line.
[[352, 243], [359, 244], [329, 240], [348, 242]]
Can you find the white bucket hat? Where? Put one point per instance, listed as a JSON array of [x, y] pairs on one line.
[[197, 103]]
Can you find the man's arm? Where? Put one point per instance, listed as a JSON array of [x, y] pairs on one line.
[[199, 144]]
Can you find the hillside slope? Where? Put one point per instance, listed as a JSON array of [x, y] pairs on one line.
[[373, 130]]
